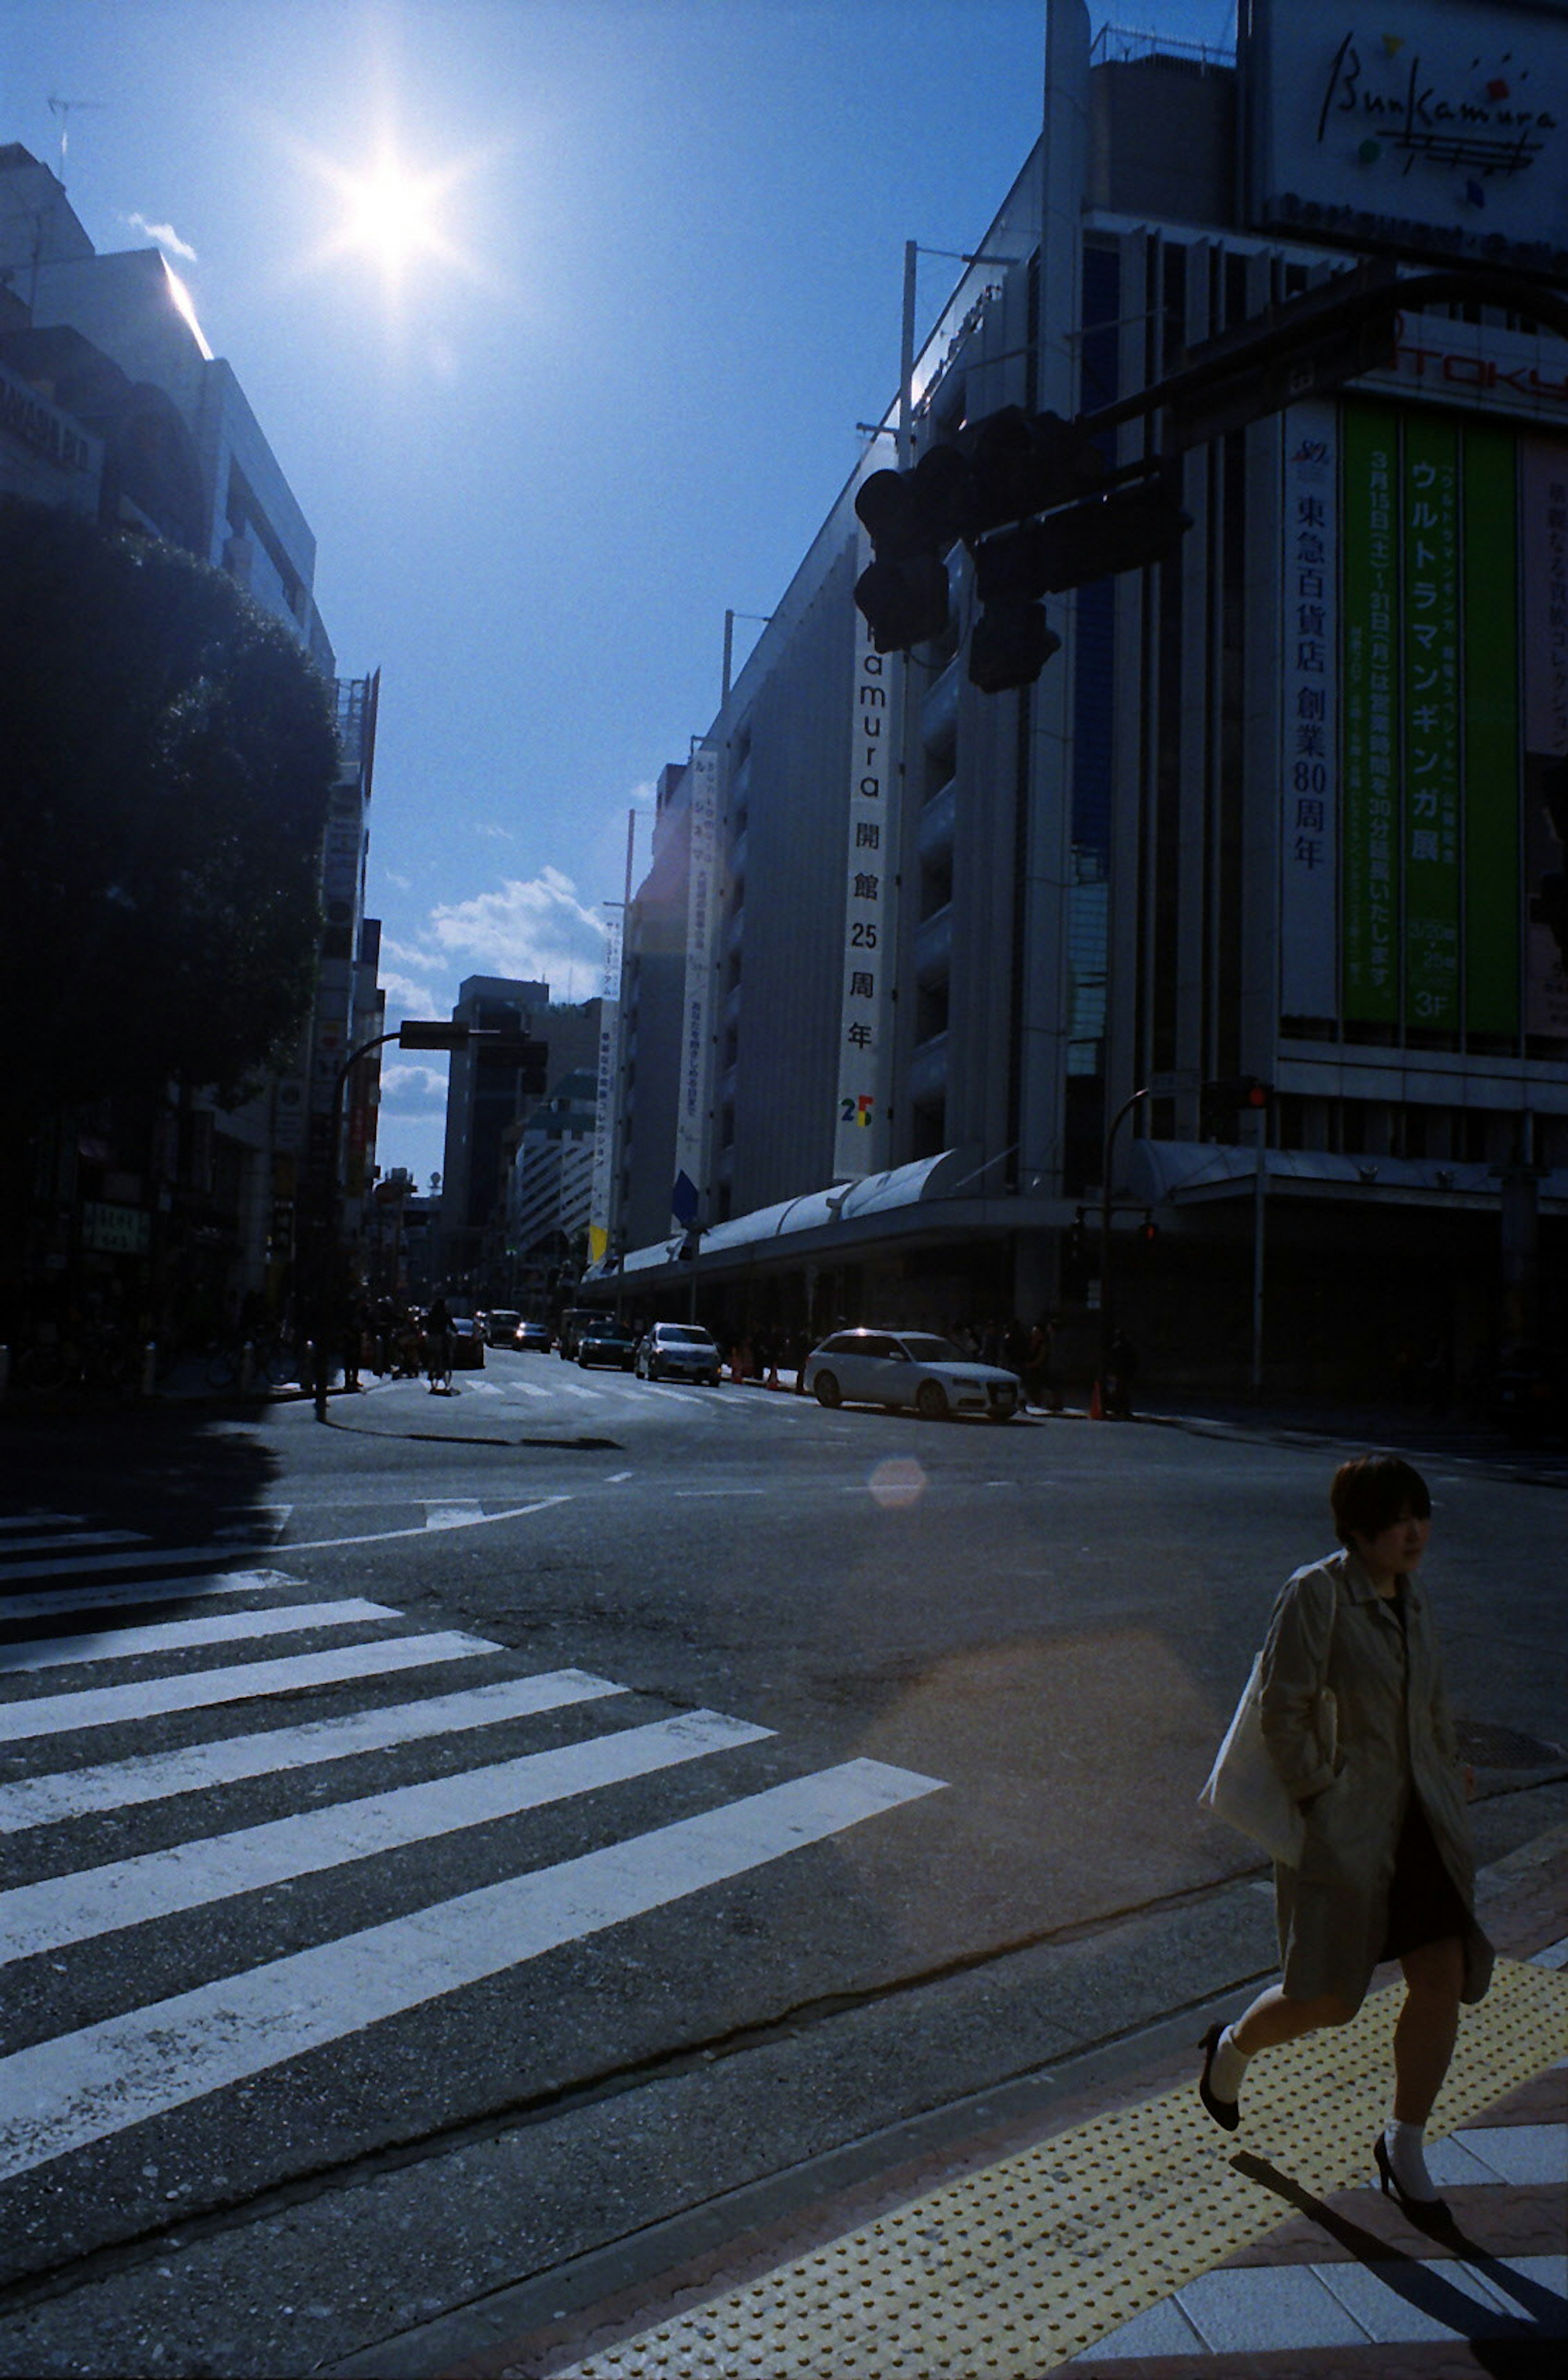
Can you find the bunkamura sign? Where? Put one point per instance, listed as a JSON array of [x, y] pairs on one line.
[[1432, 126], [861, 1132], [697, 1018]]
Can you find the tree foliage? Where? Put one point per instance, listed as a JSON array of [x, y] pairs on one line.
[[167, 756]]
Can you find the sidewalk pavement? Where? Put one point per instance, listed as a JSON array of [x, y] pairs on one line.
[[1123, 2237]]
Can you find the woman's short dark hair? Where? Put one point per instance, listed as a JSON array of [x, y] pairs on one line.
[[1371, 1492]]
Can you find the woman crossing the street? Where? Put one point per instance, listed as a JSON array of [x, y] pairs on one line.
[[1387, 1869]]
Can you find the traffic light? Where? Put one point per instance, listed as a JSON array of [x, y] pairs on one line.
[[531, 1059], [905, 602], [1009, 645], [914, 519], [1002, 469], [1021, 463], [1149, 1231], [1222, 1101]]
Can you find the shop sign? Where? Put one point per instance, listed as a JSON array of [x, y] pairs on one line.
[[1436, 126], [115, 1231]]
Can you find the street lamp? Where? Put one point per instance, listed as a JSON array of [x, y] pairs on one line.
[[414, 1033]]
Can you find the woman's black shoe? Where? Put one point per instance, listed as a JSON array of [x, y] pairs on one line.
[[1225, 2112], [1427, 2214]]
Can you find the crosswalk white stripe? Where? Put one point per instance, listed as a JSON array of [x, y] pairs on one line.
[[60, 1910], [141, 1590], [156, 1776], [198, 1689], [60, 2095], [81, 1537], [71, 1565], [185, 1636]]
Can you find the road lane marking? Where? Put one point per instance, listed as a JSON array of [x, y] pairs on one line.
[[199, 1689], [61, 1909], [156, 1776], [722, 1492], [142, 1590], [41, 1520], [183, 1636], [63, 2094], [617, 1478], [457, 1513], [386, 1536]]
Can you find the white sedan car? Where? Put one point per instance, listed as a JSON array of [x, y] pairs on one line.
[[677, 1350], [909, 1368]]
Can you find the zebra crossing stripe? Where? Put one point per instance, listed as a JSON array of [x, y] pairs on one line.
[[82, 1537], [63, 2094], [61, 1909], [144, 1590], [156, 1776], [185, 1636], [72, 1565], [198, 1689]]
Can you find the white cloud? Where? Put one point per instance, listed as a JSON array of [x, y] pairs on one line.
[[403, 1080], [403, 993], [165, 236], [494, 833], [535, 930]]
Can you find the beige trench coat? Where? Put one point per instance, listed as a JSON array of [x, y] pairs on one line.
[[1394, 1737]]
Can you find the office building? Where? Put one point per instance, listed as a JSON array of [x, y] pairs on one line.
[[1287, 806]]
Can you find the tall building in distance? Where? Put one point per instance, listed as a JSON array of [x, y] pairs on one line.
[[489, 1107], [919, 971]]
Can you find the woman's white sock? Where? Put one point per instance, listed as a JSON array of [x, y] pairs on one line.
[[1227, 2068], [1406, 2144]]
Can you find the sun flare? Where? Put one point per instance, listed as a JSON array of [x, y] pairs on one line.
[[391, 214]]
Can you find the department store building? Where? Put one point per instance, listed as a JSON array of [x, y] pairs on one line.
[[1288, 806]]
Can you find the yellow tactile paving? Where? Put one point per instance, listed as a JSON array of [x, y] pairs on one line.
[[1004, 2273]]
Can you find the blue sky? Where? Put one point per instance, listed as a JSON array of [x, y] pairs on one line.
[[649, 280]]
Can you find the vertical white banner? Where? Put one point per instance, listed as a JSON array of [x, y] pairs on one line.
[[601, 1201], [697, 1020], [1309, 791], [860, 1135]]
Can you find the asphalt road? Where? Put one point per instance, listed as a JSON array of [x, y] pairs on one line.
[[542, 1810]]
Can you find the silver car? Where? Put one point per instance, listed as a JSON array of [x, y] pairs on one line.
[[677, 1350], [895, 1368]]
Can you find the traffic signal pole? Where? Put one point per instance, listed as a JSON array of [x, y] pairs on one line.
[[1259, 1196], [1107, 1313]]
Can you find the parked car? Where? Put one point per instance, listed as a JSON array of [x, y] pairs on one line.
[[677, 1350], [533, 1338], [574, 1322], [605, 1341], [467, 1343], [1529, 1395], [501, 1326], [908, 1367]]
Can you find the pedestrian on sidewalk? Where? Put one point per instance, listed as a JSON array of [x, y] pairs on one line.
[[1387, 1869]]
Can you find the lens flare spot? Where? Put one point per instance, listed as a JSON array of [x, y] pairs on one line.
[[899, 1480]]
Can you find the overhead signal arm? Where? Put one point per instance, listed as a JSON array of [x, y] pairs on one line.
[[1033, 501]]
